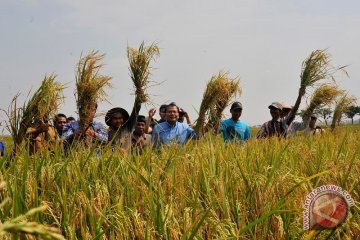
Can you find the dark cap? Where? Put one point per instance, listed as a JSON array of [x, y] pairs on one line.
[[236, 105], [141, 118], [112, 111]]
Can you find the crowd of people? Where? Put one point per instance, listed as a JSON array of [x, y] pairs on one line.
[[136, 132]]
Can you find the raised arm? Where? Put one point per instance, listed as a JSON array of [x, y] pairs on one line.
[[148, 128], [293, 111], [134, 113], [33, 133]]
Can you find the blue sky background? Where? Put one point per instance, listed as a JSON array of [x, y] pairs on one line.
[[262, 41]]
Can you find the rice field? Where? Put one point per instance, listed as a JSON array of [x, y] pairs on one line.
[[205, 190]]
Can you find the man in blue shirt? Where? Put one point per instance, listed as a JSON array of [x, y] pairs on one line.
[[172, 131], [233, 129]]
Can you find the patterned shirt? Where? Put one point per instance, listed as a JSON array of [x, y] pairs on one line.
[[71, 128], [273, 128]]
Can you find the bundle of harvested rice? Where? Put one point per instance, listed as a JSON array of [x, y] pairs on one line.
[[90, 86], [228, 88], [342, 105], [140, 69], [323, 95], [43, 105], [219, 91], [315, 68]]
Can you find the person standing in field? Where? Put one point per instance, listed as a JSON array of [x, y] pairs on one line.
[[312, 129], [233, 129], [70, 119], [59, 124], [184, 115], [278, 126], [41, 136], [97, 132], [171, 131], [121, 124], [151, 122], [138, 140], [294, 126]]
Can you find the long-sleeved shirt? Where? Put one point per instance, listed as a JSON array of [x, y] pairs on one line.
[[71, 128], [164, 133]]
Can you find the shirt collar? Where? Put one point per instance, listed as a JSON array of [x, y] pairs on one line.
[[172, 126]]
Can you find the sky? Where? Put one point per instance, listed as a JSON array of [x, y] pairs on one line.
[[263, 42]]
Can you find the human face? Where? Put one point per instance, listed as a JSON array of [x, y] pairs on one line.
[[117, 120], [172, 114], [235, 114], [275, 113], [312, 123], [60, 123], [162, 113], [69, 120], [140, 128], [285, 112]]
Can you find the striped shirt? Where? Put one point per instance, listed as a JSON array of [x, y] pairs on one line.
[[273, 128]]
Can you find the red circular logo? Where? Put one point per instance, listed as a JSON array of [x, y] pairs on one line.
[[329, 210]]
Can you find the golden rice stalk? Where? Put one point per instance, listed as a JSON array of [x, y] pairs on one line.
[[43, 105], [209, 100], [228, 89], [315, 68], [323, 95], [46, 100], [20, 225], [342, 105], [219, 91], [90, 87], [140, 69]]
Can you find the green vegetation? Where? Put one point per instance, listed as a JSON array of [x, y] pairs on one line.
[[205, 190]]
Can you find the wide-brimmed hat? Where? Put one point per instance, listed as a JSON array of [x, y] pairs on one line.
[[112, 111]]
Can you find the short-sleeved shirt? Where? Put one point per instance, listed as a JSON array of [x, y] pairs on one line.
[[273, 128], [164, 133], [235, 131]]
